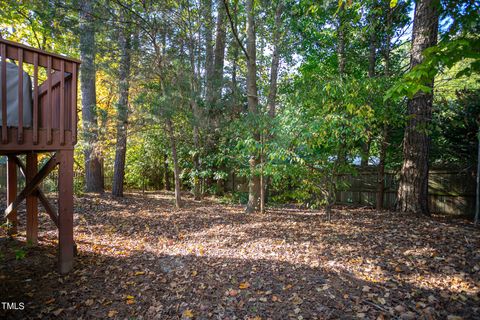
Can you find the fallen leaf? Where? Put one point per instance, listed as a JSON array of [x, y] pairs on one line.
[[57, 312], [244, 285], [112, 313], [187, 314]]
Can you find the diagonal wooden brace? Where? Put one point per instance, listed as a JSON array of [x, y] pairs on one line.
[[33, 184], [39, 193]]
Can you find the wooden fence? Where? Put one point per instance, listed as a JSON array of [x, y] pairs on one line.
[[450, 191]]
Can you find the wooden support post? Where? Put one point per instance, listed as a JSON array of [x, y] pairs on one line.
[[65, 211], [12, 193], [32, 204]]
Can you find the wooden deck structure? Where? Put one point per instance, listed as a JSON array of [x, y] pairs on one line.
[[53, 130]]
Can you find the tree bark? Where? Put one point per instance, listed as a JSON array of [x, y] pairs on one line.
[[219, 54], [413, 189], [272, 96], [176, 169], [195, 85], [381, 169], [252, 98], [93, 164], [208, 26], [122, 114], [384, 138], [372, 60], [168, 185]]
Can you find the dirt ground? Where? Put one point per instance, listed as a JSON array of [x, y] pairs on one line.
[[138, 258]]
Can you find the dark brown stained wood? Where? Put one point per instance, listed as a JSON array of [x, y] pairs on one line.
[[54, 129], [62, 104], [20, 97], [38, 192], [56, 81], [74, 104], [65, 211], [12, 53], [41, 146], [31, 199], [12, 193], [35, 98], [4, 94], [49, 106], [33, 182]]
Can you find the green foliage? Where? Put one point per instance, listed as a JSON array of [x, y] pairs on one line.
[[20, 254], [443, 56]]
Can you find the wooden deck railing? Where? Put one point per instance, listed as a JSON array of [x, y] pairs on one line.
[[54, 101]]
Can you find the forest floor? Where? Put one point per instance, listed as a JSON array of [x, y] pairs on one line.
[[138, 258]]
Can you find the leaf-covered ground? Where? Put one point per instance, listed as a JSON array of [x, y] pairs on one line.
[[138, 258]]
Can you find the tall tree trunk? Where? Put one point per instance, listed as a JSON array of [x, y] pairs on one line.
[[176, 169], [236, 106], [219, 54], [342, 61], [168, 185], [372, 60], [384, 137], [272, 94], [381, 169], [122, 114], [196, 117], [413, 188], [93, 165], [208, 27], [217, 80], [252, 98]]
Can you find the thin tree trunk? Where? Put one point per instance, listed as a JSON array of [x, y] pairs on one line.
[[381, 169], [93, 165], [413, 188], [477, 195], [196, 118], [342, 61], [208, 26], [252, 98], [176, 169], [122, 114], [220, 41], [236, 107], [372, 60], [168, 185], [272, 95], [384, 143], [217, 80]]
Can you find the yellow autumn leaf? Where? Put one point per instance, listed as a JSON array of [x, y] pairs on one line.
[[130, 297], [139, 273], [187, 313], [244, 285], [393, 3]]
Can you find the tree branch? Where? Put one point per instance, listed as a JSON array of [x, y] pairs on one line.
[[234, 30]]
